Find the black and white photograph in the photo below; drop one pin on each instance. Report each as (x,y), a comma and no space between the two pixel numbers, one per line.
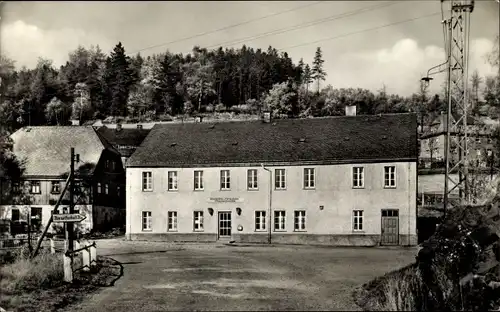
(250,155)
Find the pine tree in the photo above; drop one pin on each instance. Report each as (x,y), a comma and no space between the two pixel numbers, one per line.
(318,73)
(119,79)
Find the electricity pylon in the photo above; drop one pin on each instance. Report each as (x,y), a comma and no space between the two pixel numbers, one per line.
(457,33)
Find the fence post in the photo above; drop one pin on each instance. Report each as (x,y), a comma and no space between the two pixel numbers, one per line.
(86,256)
(93,256)
(52,246)
(68,267)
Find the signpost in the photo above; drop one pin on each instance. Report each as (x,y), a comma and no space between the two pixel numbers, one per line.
(68,217)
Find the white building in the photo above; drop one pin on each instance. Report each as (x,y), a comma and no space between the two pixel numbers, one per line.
(347,180)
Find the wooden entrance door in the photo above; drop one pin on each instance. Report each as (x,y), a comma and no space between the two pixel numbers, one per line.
(390,227)
(224,225)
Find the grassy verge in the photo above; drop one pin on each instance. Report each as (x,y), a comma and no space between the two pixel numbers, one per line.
(37,285)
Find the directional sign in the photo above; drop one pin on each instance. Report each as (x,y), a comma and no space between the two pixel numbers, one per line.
(68,217)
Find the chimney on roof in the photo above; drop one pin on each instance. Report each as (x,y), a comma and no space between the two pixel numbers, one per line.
(118,127)
(139,127)
(350,110)
(266,116)
(75,122)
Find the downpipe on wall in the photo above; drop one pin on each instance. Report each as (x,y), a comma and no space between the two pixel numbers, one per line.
(270,201)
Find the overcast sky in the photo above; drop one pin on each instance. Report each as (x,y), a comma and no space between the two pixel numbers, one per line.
(396,55)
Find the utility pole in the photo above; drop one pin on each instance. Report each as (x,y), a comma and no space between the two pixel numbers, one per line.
(69,226)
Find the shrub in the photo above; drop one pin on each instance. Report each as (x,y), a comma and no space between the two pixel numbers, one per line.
(220,108)
(210,108)
(165,117)
(44,271)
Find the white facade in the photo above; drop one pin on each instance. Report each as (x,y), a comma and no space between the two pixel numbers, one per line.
(334,208)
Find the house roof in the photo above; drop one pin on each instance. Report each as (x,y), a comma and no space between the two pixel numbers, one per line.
(45,150)
(332,139)
(124,140)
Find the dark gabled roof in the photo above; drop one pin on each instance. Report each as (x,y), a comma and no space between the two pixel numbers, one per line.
(45,150)
(332,139)
(124,140)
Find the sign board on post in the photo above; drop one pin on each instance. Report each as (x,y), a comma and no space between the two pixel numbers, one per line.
(68,217)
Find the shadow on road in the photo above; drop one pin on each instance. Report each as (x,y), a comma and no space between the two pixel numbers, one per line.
(142,252)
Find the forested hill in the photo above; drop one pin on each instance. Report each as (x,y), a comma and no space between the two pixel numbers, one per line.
(93,85)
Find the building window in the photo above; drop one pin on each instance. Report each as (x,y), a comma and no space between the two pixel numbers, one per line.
(99,189)
(309,178)
(198,220)
(172,220)
(489,153)
(260,220)
(299,220)
(118,191)
(35,187)
(107,163)
(146,220)
(357,221)
(280,179)
(106,188)
(358,177)
(56,187)
(478,140)
(390,176)
(252,179)
(279,220)
(198,180)
(172,180)
(15,215)
(113,165)
(147,181)
(16,186)
(478,152)
(490,141)
(225,180)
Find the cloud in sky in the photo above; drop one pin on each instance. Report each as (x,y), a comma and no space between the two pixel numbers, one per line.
(399,67)
(25,43)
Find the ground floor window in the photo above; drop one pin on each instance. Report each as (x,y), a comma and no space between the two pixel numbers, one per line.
(15,215)
(172,220)
(198,220)
(146,220)
(300,220)
(357,221)
(279,220)
(260,220)
(36,218)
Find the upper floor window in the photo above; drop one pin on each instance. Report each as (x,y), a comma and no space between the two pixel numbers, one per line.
(147,181)
(389,176)
(172,180)
(16,186)
(99,188)
(252,179)
(280,179)
(309,178)
(113,165)
(225,180)
(260,220)
(106,188)
(118,189)
(56,187)
(107,163)
(35,187)
(358,177)
(198,180)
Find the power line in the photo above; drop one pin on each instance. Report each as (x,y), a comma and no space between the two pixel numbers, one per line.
(358,32)
(228,27)
(303,25)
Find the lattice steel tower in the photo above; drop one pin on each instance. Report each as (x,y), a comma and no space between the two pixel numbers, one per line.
(456,30)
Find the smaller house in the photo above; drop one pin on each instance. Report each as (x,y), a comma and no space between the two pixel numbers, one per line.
(124,140)
(45,154)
